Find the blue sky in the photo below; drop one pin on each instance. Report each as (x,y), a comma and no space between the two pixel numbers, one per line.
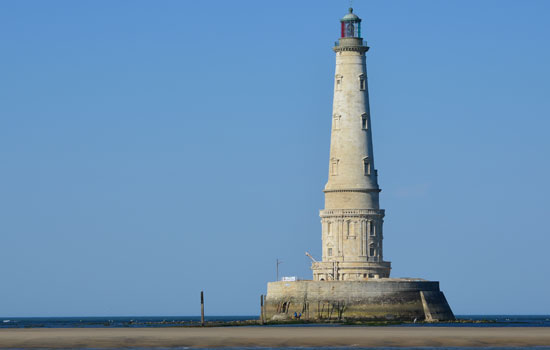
(151,149)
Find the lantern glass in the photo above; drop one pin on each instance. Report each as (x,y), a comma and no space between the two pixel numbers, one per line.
(351,29)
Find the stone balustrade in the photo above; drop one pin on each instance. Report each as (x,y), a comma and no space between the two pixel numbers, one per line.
(351,212)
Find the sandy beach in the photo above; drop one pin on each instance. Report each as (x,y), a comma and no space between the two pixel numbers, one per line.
(274,337)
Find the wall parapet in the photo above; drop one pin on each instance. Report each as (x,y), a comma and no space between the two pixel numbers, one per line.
(388,298)
(351,212)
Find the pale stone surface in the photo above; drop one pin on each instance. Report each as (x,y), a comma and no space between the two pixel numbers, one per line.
(352,220)
(378,299)
(352,280)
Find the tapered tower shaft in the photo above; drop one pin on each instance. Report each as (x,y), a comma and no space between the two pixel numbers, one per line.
(352,219)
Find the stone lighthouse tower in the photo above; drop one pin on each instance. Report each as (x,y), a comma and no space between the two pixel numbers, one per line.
(352,220)
(352,280)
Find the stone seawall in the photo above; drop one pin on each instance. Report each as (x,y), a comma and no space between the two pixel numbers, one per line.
(383,299)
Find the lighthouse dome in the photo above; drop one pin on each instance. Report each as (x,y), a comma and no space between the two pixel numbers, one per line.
(351,17)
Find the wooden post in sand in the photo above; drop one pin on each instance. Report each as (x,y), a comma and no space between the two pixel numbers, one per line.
(202,308)
(262,309)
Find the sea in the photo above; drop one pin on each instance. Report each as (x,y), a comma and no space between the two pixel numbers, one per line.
(171,321)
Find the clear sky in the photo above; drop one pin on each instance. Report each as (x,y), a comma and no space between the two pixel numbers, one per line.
(151,149)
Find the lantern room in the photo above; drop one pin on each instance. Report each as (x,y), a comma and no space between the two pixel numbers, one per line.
(351,25)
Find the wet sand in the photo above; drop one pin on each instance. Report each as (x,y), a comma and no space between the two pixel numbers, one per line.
(274,337)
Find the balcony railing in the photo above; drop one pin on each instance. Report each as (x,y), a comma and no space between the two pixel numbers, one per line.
(352,212)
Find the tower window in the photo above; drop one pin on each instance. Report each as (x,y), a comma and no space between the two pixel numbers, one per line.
(362,82)
(334,167)
(329,251)
(366,165)
(372,251)
(338,82)
(364,122)
(372,229)
(336,122)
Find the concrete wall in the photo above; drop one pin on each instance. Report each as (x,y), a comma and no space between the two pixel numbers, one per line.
(397,299)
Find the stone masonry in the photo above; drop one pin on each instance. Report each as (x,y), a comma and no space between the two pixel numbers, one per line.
(352,221)
(352,281)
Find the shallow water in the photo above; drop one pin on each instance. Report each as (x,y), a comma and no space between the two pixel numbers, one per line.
(106,322)
(163,321)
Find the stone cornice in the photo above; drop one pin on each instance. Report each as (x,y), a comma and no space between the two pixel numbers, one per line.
(355,265)
(360,49)
(364,190)
(351,212)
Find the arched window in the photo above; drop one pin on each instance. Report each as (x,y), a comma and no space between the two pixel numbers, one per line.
(366,165)
(372,250)
(362,82)
(364,121)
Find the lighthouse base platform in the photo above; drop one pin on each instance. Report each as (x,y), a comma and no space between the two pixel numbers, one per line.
(400,299)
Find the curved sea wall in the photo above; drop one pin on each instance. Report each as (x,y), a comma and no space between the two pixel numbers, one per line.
(376,299)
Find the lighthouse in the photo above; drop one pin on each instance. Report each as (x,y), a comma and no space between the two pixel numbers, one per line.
(352,221)
(352,280)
